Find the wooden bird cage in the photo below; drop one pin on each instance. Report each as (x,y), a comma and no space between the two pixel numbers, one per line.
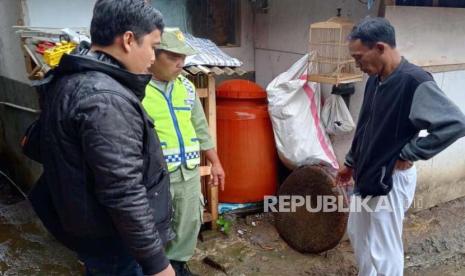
(329,57)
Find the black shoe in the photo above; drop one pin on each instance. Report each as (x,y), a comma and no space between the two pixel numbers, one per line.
(181,268)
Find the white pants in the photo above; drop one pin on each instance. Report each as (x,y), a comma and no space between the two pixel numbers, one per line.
(377,236)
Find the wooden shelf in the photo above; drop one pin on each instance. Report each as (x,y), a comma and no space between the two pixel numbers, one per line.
(330,44)
(206,89)
(338,79)
(205,170)
(202,92)
(332,60)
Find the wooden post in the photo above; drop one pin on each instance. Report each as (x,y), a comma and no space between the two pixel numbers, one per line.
(382,6)
(212,192)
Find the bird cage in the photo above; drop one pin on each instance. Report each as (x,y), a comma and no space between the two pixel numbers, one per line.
(329,56)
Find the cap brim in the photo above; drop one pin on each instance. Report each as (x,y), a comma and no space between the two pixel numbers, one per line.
(185,50)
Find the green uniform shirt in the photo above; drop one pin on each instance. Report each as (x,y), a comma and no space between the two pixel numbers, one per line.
(199,121)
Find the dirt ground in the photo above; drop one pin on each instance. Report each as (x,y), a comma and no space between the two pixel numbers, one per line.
(434,245)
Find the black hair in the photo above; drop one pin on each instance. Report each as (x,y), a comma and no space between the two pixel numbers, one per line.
(372,30)
(113,18)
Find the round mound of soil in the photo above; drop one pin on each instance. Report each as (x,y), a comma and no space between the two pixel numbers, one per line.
(310,229)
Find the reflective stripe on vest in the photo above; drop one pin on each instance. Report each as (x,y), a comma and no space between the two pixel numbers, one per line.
(173,125)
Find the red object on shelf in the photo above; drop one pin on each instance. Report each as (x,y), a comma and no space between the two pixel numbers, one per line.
(246,144)
(43,46)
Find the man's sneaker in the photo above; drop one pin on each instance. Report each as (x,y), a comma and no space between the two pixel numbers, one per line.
(181,268)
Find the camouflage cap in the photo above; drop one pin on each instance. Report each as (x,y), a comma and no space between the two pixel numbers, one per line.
(173,40)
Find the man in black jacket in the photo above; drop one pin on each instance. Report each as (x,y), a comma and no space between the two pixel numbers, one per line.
(400,100)
(105,192)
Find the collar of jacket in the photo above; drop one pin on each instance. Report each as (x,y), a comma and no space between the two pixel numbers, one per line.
(82,59)
(403,61)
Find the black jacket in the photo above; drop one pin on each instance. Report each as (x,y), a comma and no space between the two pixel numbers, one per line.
(393,113)
(103,165)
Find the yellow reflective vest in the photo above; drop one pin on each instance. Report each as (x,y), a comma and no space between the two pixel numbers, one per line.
(172,118)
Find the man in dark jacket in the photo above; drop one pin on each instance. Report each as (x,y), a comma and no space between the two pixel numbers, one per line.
(400,100)
(104,172)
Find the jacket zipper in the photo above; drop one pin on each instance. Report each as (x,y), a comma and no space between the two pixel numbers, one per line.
(176,126)
(370,115)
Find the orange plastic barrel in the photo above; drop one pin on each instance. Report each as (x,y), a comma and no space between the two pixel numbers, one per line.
(245,142)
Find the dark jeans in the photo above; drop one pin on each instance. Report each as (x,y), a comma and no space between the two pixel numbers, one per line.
(113,265)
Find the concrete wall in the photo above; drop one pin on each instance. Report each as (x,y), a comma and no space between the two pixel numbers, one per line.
(56,13)
(442,178)
(417,25)
(175,14)
(79,14)
(245,52)
(14,88)
(281,35)
(11,57)
(281,38)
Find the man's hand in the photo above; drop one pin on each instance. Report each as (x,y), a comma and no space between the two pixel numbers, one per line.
(217,173)
(344,175)
(403,165)
(168,271)
(217,176)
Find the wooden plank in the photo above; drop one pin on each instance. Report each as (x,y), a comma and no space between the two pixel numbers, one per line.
(212,107)
(211,113)
(340,78)
(337,61)
(444,68)
(202,92)
(32,55)
(205,170)
(333,43)
(34,73)
(213,204)
(27,57)
(382,6)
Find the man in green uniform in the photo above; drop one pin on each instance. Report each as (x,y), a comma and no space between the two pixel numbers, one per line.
(181,125)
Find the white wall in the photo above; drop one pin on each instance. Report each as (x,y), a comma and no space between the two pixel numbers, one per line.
(415,26)
(443,177)
(12,64)
(59,13)
(281,35)
(281,38)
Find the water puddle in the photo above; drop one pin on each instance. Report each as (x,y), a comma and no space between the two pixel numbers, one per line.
(26,248)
